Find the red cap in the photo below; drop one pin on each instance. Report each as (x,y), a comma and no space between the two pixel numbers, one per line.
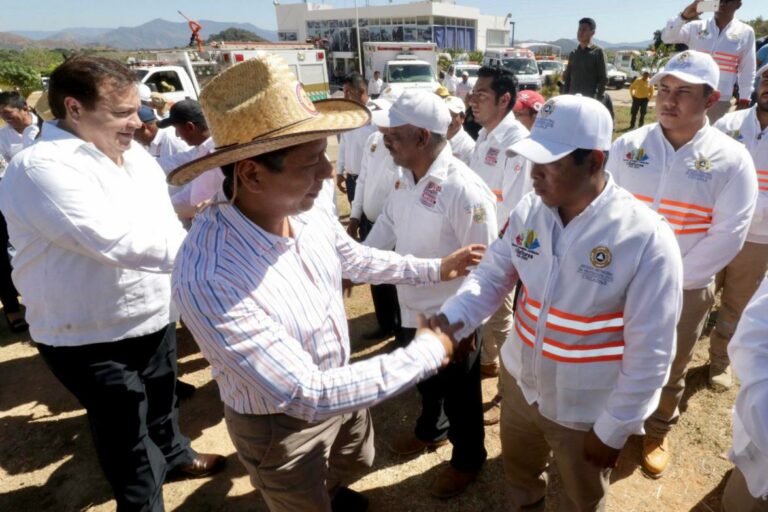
(529,99)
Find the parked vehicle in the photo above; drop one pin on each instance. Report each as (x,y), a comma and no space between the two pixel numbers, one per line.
(403,65)
(616,78)
(518,60)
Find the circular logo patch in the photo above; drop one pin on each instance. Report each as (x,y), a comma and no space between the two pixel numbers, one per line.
(547,109)
(600,257)
(304,101)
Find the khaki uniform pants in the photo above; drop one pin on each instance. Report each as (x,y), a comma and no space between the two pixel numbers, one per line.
(527,438)
(739,282)
(495,332)
(736,496)
(696,306)
(298,465)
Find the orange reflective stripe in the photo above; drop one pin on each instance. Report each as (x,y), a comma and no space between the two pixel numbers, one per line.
(688,222)
(763,172)
(561,352)
(598,318)
(686,205)
(644,198)
(763,188)
(690,231)
(726,56)
(497,193)
(687,215)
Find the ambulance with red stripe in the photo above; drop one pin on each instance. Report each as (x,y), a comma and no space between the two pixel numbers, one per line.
(706,190)
(744,127)
(733,50)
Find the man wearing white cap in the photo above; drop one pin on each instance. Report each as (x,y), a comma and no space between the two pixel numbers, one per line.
(592,341)
(376,181)
(492,102)
(747,487)
(741,277)
(463,88)
(704,183)
(462,144)
(438,206)
(730,42)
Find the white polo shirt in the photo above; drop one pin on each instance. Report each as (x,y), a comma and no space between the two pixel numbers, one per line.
(378,175)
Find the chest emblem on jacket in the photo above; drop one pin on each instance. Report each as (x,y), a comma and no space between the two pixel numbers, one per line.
(527,244)
(637,158)
(492,156)
(600,257)
(700,169)
(430,193)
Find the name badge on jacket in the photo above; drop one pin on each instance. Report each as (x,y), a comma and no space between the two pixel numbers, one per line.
(492,156)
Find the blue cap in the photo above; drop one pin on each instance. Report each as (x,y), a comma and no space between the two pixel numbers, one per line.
(147,115)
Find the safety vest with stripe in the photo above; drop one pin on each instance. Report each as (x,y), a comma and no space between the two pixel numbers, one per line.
(568,341)
(705,189)
(744,127)
(733,49)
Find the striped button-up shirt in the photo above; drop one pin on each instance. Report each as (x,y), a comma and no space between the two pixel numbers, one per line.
(268,314)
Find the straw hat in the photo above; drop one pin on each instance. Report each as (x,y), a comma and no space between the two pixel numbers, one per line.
(258,106)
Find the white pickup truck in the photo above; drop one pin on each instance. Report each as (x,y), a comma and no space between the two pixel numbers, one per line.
(402,65)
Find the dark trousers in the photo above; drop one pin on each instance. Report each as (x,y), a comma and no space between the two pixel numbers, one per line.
(452,406)
(9,296)
(642,106)
(350,181)
(128,390)
(384,296)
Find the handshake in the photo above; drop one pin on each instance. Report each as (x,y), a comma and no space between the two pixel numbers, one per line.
(438,326)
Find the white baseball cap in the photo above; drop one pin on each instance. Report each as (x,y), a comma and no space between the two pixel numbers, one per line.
(692,67)
(419,108)
(145,93)
(455,105)
(566,123)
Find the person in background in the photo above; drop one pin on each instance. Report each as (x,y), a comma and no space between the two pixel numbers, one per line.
(585,73)
(352,143)
(158,142)
(704,183)
(88,201)
(375,86)
(451,81)
(739,280)
(527,107)
(729,41)
(747,487)
(462,145)
(641,91)
(463,88)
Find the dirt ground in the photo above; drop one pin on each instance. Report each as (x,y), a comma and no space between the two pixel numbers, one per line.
(47,461)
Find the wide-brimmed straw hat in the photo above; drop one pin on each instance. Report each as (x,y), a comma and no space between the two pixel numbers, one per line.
(258,106)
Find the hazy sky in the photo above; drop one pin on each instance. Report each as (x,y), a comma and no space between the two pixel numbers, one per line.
(617,20)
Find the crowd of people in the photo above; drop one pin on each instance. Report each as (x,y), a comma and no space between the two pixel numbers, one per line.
(578,270)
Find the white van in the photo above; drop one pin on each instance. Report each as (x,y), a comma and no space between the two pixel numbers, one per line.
(518,60)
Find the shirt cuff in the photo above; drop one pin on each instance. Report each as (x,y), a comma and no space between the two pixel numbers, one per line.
(433,270)
(453,314)
(612,431)
(430,349)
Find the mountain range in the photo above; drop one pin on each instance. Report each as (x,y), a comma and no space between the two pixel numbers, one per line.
(157,33)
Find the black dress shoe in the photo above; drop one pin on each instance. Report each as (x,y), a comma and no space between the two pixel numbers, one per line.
(347,500)
(184,390)
(203,465)
(378,334)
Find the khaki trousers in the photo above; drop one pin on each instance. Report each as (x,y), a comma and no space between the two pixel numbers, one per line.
(718,110)
(739,282)
(495,332)
(527,438)
(696,306)
(736,496)
(298,465)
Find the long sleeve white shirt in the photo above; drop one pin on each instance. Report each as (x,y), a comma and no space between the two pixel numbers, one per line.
(748,351)
(507,175)
(377,179)
(166,143)
(733,49)
(462,146)
(593,341)
(200,189)
(706,190)
(449,208)
(267,313)
(95,243)
(11,141)
(743,126)
(352,145)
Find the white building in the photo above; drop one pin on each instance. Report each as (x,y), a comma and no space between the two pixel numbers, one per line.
(439,21)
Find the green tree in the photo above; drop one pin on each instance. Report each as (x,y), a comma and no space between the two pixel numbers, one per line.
(760,26)
(235,34)
(16,75)
(40,59)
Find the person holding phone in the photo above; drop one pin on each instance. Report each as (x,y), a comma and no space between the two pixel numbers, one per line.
(729,41)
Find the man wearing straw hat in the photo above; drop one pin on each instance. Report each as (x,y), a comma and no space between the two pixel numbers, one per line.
(258,282)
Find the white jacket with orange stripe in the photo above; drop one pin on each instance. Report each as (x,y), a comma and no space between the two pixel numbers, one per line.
(733,49)
(706,190)
(744,127)
(594,332)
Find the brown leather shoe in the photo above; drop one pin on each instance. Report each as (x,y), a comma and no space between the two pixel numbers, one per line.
(451,482)
(492,411)
(489,370)
(656,456)
(203,465)
(408,444)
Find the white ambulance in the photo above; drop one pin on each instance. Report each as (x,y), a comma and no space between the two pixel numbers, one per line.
(520,61)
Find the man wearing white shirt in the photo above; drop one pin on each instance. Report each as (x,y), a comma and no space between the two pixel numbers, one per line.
(594,331)
(730,42)
(747,487)
(462,145)
(508,177)
(158,142)
(89,202)
(438,206)
(451,81)
(463,88)
(741,277)
(704,183)
(352,143)
(375,86)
